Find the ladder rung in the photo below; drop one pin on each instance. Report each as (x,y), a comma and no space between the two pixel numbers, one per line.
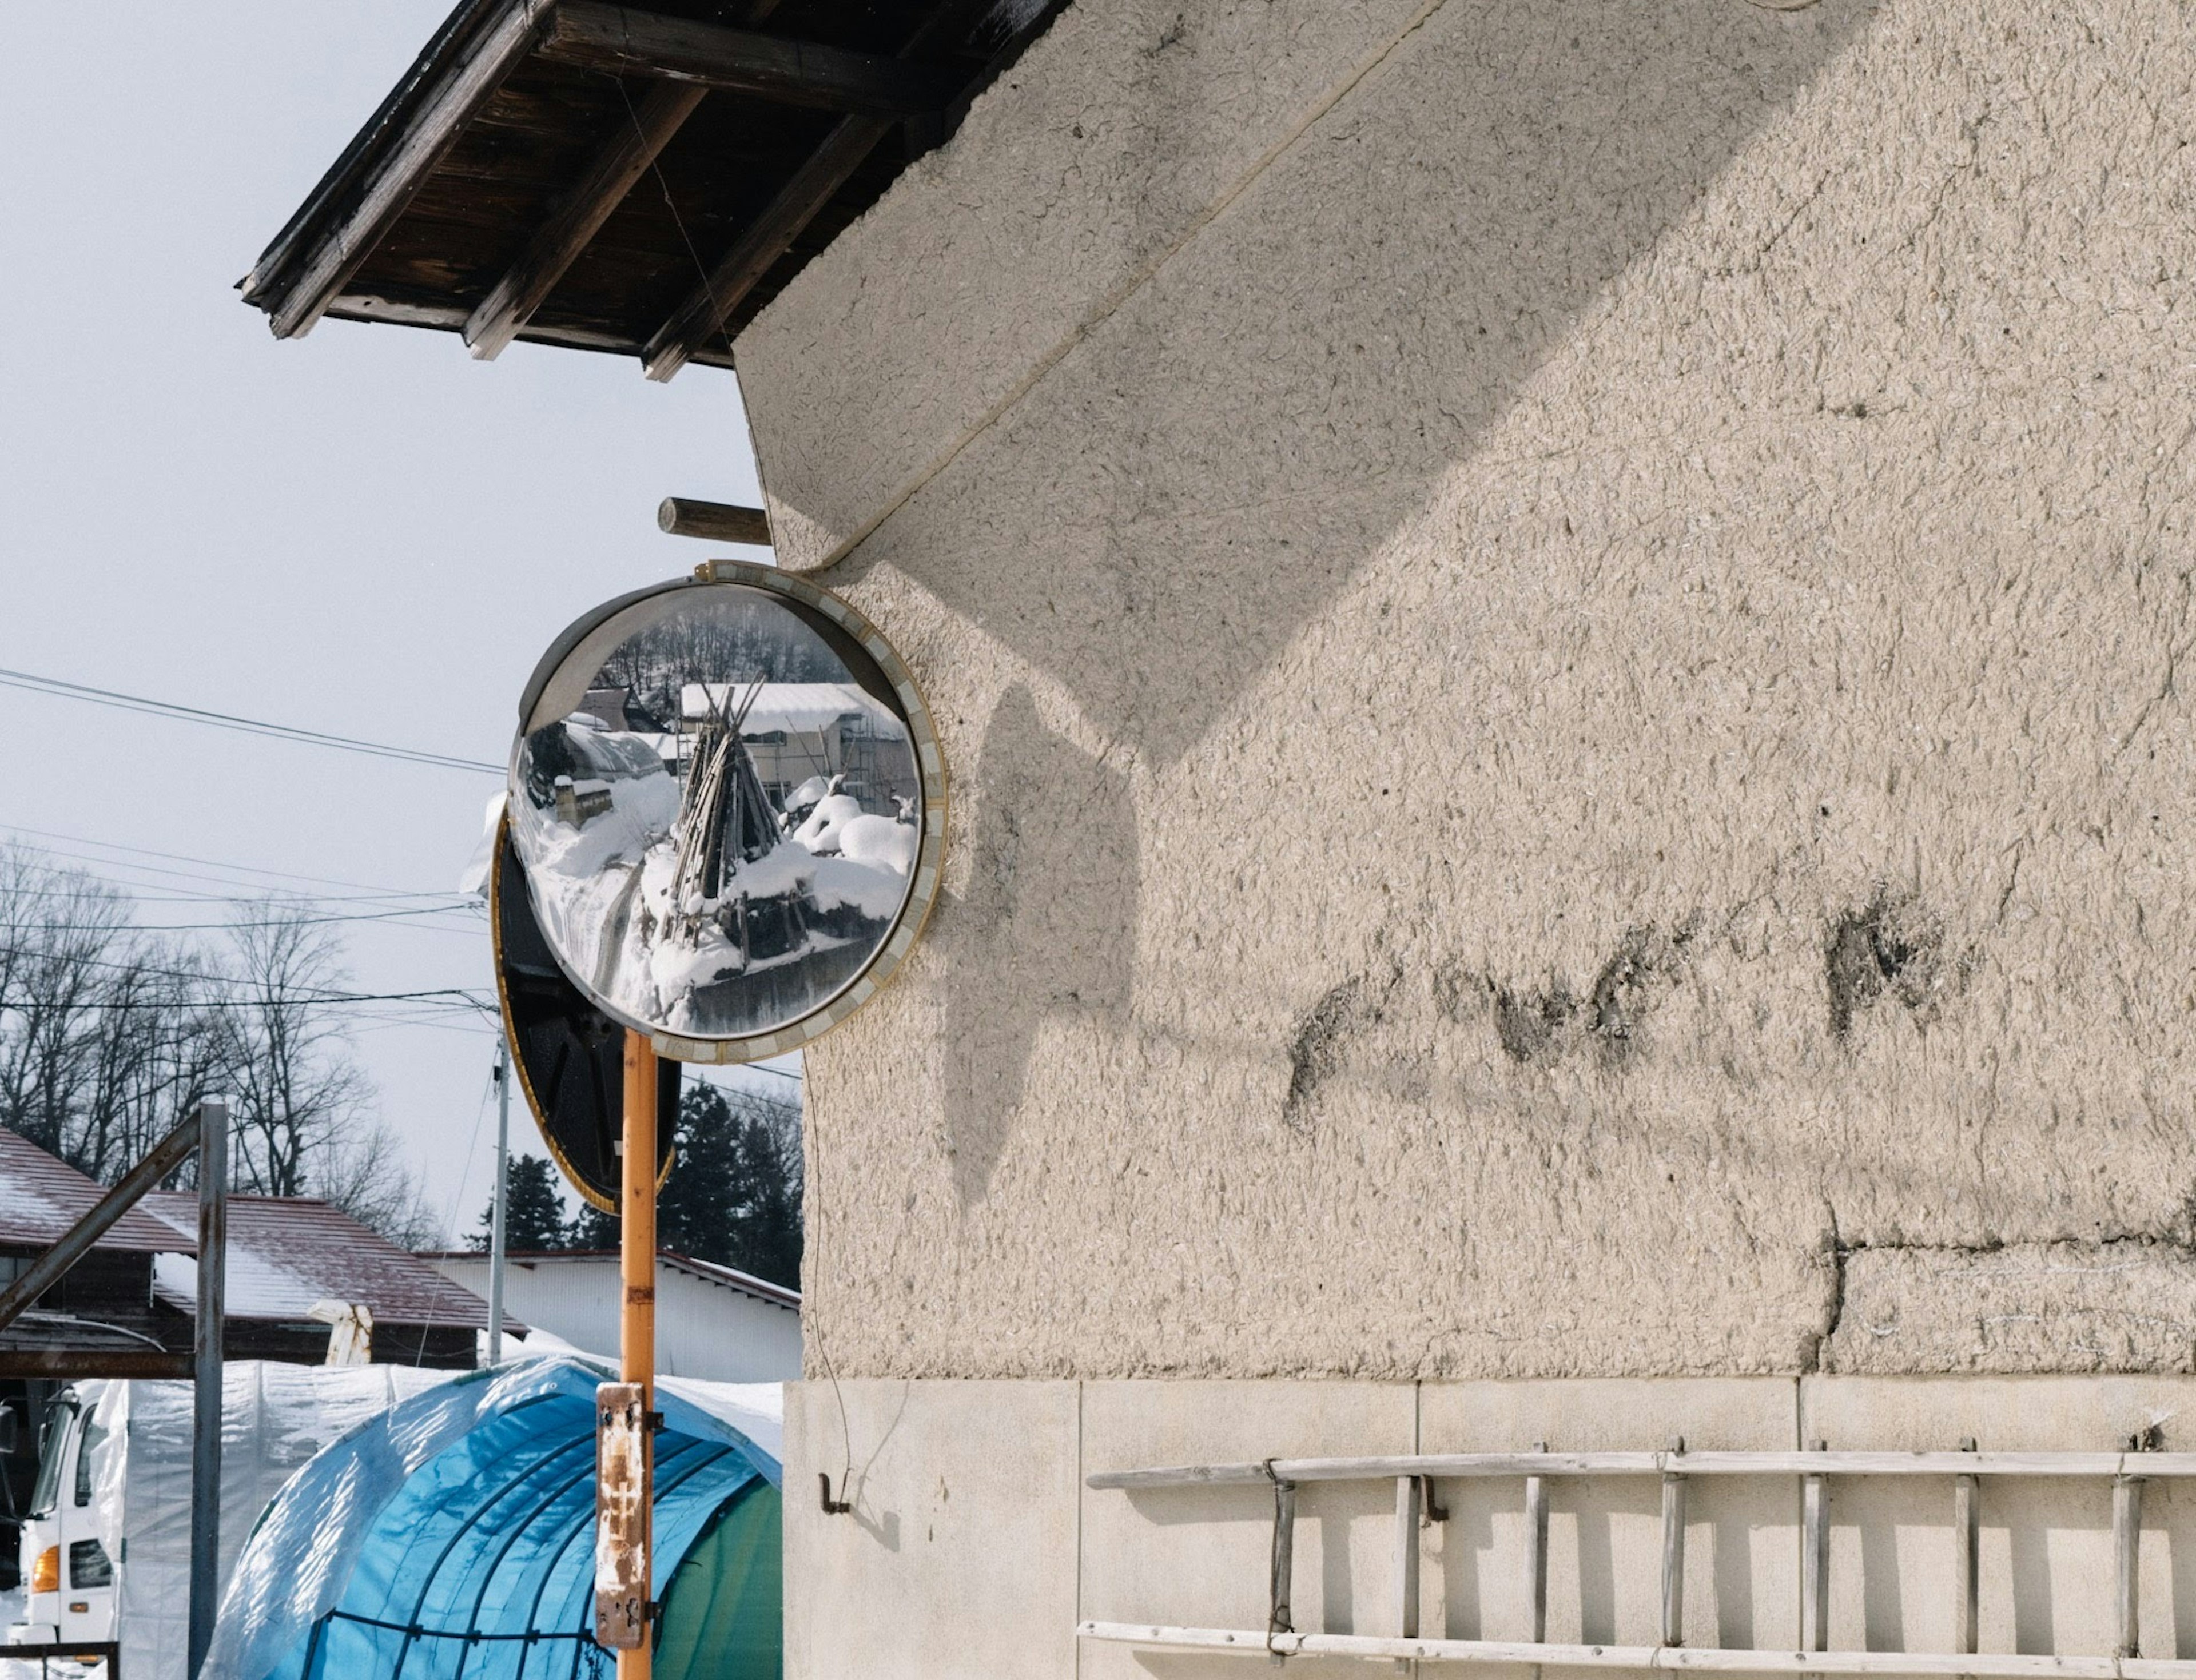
(2154,1466)
(1994,1666)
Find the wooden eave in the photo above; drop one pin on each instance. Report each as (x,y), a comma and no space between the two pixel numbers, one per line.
(637,181)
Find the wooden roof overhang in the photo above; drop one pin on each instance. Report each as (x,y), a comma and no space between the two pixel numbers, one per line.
(637,181)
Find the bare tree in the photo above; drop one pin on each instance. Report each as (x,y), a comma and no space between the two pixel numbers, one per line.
(295,1089)
(109,1033)
(364,1174)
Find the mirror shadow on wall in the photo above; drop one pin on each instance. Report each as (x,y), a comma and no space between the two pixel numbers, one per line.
(1201,476)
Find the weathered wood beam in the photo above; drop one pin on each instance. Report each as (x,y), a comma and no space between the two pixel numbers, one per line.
(77,1241)
(772,234)
(766,238)
(69,1364)
(391,187)
(557,243)
(715,522)
(627,42)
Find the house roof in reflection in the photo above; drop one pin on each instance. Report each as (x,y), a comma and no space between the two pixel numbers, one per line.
(792,708)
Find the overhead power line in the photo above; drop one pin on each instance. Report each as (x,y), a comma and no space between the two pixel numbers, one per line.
(193,714)
(209,862)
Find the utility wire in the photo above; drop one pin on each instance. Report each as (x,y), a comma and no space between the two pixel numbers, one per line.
(209,862)
(193,714)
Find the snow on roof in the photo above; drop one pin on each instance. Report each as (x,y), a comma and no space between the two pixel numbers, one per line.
(708,1270)
(792,708)
(41,1196)
(286,1252)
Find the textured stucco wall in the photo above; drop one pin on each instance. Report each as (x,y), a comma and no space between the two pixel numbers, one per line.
(1556,630)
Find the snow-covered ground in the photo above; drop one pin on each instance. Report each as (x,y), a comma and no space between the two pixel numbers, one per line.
(603,891)
(14,1668)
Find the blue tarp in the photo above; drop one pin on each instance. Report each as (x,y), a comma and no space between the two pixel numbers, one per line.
(452,1538)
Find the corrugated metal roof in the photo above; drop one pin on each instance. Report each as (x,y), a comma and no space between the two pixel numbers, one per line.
(286,1252)
(41,1196)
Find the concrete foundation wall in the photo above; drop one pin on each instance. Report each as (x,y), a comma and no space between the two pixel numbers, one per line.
(1559,631)
(973,1549)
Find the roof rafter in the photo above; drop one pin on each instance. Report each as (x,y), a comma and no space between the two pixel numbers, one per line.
(627,42)
(527,284)
(771,235)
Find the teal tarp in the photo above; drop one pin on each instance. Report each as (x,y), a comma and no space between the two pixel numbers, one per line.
(452,1538)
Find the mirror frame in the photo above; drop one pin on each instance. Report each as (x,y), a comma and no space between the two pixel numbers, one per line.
(926,876)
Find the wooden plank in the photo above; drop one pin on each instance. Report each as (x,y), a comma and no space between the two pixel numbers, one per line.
(343,248)
(624,41)
(707,309)
(69,1364)
(765,239)
(557,244)
(717,522)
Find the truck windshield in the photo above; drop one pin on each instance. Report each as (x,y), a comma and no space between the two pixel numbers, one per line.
(53,1446)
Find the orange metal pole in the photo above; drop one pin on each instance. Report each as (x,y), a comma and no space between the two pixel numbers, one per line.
(637,1322)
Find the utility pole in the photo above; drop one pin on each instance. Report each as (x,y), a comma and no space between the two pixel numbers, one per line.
(206,1401)
(502,1185)
(636,1325)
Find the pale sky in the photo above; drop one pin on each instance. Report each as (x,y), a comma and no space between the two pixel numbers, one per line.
(364,532)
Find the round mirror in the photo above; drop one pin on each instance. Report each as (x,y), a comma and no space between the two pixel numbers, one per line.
(729,804)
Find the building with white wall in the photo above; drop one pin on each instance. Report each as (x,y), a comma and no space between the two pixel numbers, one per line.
(711,1321)
(1559,631)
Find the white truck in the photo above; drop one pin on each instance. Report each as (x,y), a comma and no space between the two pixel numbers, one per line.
(105,1542)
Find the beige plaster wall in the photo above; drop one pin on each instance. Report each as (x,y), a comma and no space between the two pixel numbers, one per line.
(1556,628)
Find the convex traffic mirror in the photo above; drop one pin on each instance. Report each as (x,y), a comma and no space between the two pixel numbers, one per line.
(729,806)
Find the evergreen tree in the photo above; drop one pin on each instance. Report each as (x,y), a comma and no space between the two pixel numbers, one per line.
(534,1212)
(734,1194)
(592,1228)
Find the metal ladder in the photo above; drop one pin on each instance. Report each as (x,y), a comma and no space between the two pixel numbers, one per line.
(1415,1476)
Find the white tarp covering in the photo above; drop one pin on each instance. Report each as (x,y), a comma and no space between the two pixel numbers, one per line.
(275,1417)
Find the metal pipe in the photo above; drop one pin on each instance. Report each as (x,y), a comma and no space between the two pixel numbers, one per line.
(1279,1612)
(1967,1542)
(205,1399)
(1650,1658)
(495,1238)
(1407,1556)
(637,1321)
(1536,1542)
(1674,1554)
(170,1153)
(2151,1466)
(2127,1561)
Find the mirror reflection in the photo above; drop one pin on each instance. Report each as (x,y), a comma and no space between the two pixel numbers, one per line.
(718,803)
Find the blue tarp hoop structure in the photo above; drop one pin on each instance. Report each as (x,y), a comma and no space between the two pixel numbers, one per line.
(452,1538)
